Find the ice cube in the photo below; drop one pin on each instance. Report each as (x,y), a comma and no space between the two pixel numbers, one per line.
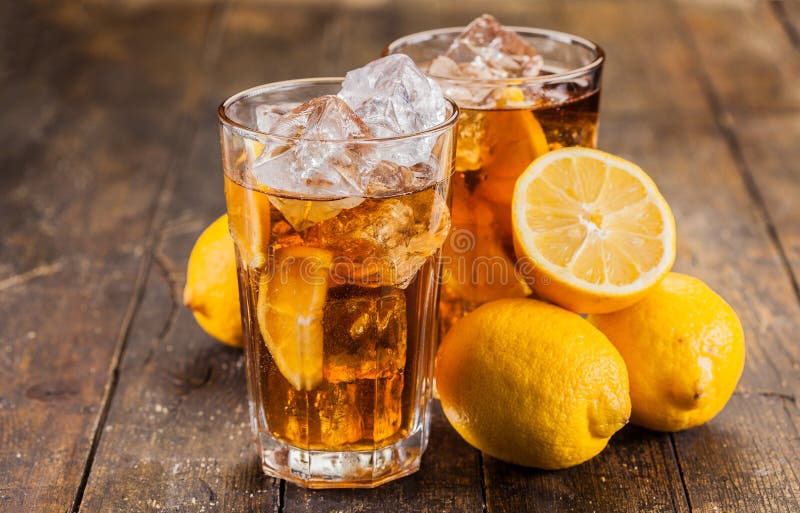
(287,413)
(340,420)
(301,214)
(322,118)
(470,92)
(309,164)
(388,401)
(444,66)
(365,334)
(388,178)
(267,115)
(471,133)
(384,241)
(393,96)
(352,411)
(487,49)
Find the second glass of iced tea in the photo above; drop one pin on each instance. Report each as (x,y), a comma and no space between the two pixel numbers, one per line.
(505,124)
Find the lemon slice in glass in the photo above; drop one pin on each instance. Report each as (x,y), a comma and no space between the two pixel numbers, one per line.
(290,308)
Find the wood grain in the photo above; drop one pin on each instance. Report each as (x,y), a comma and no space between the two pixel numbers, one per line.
(745,460)
(745,54)
(763,141)
(179,429)
(769,147)
(647,72)
(788,12)
(86,143)
(111,162)
(636,472)
(764,181)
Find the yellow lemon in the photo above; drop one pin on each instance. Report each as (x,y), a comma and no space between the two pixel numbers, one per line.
(531,383)
(684,347)
(290,308)
(211,291)
(592,230)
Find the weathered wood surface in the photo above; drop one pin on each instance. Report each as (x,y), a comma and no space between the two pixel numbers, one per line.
(788,12)
(117,170)
(89,130)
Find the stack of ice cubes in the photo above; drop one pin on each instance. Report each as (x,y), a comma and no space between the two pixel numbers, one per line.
(485,51)
(314,148)
(488,50)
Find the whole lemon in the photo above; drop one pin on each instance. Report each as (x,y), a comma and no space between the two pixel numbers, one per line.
(211,291)
(684,347)
(531,383)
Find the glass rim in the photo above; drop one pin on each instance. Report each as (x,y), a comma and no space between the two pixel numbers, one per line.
(244,130)
(557,35)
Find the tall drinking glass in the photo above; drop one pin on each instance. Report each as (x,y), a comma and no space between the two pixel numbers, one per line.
(504,125)
(338,292)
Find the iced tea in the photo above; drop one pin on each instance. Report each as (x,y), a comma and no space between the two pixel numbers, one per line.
(504,124)
(335,329)
(338,292)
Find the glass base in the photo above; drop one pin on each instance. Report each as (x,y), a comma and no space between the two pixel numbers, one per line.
(342,469)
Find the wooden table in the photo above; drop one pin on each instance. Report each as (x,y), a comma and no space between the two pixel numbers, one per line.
(113,399)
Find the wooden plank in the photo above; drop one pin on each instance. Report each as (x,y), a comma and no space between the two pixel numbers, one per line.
(179,429)
(746,459)
(266,43)
(448,481)
(761,147)
(745,54)
(636,472)
(765,140)
(788,13)
(178,434)
(646,72)
(18,37)
(82,165)
(769,146)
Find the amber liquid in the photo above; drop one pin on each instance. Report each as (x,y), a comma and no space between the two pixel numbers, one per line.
(357,327)
(494,147)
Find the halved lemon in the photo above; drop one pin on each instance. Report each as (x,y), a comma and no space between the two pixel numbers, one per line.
(592,231)
(290,308)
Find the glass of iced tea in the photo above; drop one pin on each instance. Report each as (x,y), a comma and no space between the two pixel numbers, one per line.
(522,92)
(337,234)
